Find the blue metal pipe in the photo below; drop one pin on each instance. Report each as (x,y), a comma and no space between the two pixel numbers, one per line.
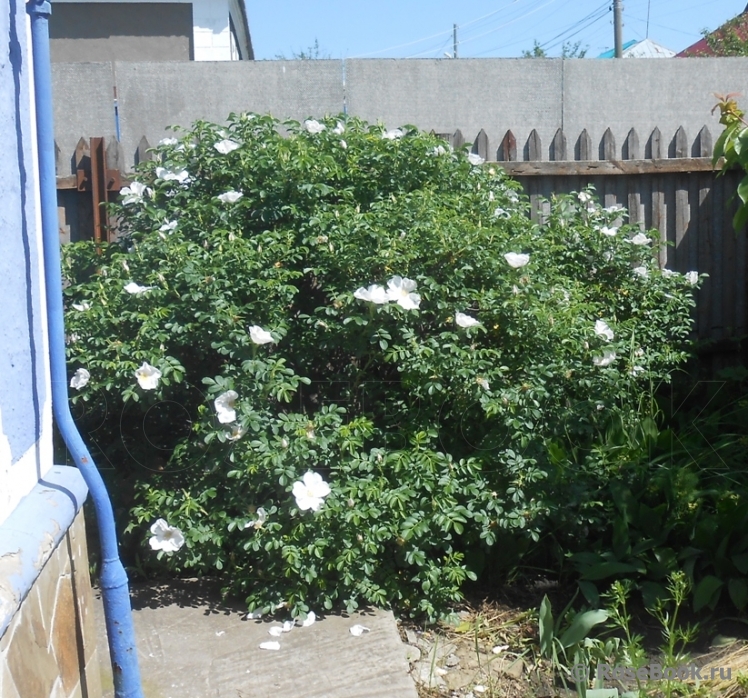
(114,586)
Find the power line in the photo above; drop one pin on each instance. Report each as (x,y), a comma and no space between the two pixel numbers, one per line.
(439,34)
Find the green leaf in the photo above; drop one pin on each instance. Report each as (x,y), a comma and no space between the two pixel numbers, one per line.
(740,218)
(545,628)
(608,569)
(706,592)
(738,589)
(740,560)
(581,626)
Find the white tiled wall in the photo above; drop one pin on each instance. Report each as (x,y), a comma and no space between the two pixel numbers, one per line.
(211,31)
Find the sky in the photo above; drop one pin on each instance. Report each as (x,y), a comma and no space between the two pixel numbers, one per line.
(485,29)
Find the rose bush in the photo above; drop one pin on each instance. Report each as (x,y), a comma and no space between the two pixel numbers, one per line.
(343,361)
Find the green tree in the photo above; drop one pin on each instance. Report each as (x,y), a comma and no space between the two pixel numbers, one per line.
(728,40)
(311,53)
(568,50)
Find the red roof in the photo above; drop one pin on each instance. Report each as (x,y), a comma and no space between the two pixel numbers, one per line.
(701,48)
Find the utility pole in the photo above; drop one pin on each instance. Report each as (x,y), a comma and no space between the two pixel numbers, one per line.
(454,41)
(617,25)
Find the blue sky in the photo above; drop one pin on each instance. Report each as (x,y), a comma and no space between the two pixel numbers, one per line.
(496,28)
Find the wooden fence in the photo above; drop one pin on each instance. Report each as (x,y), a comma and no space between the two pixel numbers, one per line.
(669,185)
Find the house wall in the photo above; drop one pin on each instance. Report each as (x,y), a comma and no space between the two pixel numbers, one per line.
(25,407)
(210,37)
(444,95)
(106,31)
(46,642)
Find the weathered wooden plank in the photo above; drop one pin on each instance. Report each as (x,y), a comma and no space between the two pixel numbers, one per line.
(634,187)
(681,222)
(534,146)
(458,140)
(508,149)
(142,154)
(704,144)
(680,147)
(728,270)
(741,283)
(703,300)
(480,144)
(654,146)
(115,156)
(631,146)
(591,168)
(558,146)
(608,146)
(659,216)
(583,150)
(719,220)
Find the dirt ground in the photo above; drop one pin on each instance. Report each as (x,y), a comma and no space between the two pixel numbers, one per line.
(490,650)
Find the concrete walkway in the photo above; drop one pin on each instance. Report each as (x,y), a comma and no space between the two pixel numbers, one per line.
(191,645)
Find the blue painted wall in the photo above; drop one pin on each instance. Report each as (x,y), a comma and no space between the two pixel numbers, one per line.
(23,389)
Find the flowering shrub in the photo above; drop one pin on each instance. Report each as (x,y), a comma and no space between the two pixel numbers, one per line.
(342,361)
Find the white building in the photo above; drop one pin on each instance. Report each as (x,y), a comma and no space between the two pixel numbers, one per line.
(142,30)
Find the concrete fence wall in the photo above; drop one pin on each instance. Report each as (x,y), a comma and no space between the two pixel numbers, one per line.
(467,94)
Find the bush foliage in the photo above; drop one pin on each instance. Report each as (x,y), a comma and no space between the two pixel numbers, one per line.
(437,437)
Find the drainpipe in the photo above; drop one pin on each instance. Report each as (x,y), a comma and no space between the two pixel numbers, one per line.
(114,586)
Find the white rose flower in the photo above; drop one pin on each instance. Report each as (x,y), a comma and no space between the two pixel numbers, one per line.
(134,193)
(394,134)
(615,208)
(81,307)
(669,272)
(500,212)
(464,320)
(230,197)
(610,231)
(313,126)
(401,291)
(374,294)
(438,150)
(636,370)
(170,176)
(343,144)
(584,197)
(339,130)
(236,433)
(692,277)
(137,289)
(224,405)
(168,141)
(310,491)
(640,239)
(165,537)
(475,159)
(603,330)
(80,379)
(226,146)
(168,227)
(606,359)
(262,516)
(260,336)
(516,260)
(148,376)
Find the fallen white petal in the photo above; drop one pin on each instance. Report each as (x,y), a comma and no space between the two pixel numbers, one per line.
(287,626)
(311,617)
(270,645)
(276,631)
(222,632)
(358,630)
(499,649)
